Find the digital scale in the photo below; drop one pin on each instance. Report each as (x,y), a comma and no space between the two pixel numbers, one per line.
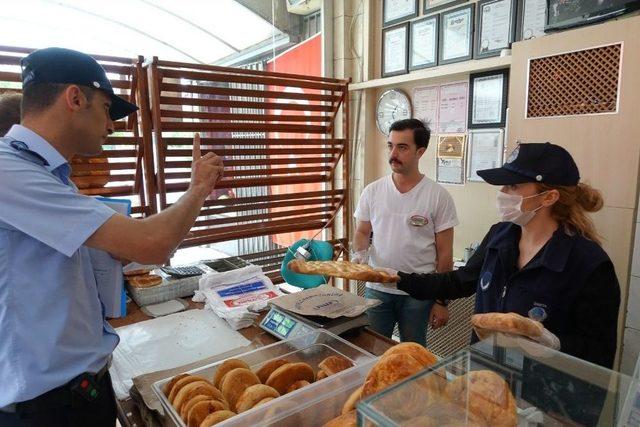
(284,324)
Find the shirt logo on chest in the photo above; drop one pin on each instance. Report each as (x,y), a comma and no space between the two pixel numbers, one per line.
(485,280)
(538,313)
(418,220)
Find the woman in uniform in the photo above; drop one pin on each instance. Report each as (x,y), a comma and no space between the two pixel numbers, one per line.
(544,261)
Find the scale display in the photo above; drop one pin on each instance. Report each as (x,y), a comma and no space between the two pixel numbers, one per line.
(282,325)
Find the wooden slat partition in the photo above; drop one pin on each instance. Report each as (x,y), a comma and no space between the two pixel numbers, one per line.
(274,131)
(118,171)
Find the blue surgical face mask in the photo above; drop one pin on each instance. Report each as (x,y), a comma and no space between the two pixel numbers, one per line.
(510,208)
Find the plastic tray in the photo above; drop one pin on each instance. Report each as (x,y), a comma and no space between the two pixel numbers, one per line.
(314,404)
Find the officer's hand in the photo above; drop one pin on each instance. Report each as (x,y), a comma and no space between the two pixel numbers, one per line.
(206,170)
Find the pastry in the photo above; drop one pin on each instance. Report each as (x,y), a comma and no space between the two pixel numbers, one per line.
(352,401)
(144,281)
(418,352)
(511,323)
(389,370)
(297,385)
(181,383)
(166,389)
(349,419)
(489,397)
(254,394)
(334,364)
(193,389)
(216,417)
(201,410)
(235,382)
(225,367)
(344,269)
(282,378)
(266,369)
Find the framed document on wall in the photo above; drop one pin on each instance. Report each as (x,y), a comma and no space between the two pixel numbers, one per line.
(532,16)
(395,49)
(485,151)
(488,99)
(433,5)
(394,11)
(456,35)
(423,44)
(496,27)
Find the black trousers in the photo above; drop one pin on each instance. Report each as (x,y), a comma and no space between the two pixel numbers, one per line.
(62,407)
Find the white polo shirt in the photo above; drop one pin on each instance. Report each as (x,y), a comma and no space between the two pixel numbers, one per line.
(397,243)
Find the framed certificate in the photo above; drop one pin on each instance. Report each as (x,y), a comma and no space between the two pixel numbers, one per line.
(456,35)
(496,27)
(426,101)
(450,159)
(432,5)
(452,108)
(423,44)
(488,99)
(395,49)
(532,16)
(485,151)
(394,11)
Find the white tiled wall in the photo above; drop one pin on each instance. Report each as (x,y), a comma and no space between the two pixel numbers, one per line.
(631,341)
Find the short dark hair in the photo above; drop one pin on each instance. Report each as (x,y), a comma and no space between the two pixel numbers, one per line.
(9,111)
(40,96)
(421,133)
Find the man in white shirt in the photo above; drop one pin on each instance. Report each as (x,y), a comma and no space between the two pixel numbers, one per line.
(412,219)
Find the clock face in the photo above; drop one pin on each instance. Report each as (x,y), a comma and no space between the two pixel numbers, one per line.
(393,105)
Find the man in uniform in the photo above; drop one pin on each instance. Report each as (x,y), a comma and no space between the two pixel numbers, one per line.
(55,343)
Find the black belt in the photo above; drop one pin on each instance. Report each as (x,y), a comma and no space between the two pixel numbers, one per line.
(58,396)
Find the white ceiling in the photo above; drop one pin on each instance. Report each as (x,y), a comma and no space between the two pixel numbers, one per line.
(181,30)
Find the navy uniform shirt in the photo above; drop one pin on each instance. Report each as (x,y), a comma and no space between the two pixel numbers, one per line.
(570,284)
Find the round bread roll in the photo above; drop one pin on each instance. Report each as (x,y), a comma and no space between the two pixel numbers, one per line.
(166,389)
(184,412)
(254,394)
(389,370)
(226,366)
(282,378)
(352,401)
(181,383)
(334,364)
(263,401)
(216,417)
(297,385)
(268,368)
(350,419)
(415,350)
(200,410)
(489,397)
(321,375)
(193,389)
(235,382)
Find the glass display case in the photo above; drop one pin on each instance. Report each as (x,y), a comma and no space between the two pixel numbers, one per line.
(507,381)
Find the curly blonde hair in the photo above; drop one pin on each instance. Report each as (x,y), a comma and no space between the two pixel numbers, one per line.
(571,209)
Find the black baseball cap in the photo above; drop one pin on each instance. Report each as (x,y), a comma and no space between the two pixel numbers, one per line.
(66,66)
(545,163)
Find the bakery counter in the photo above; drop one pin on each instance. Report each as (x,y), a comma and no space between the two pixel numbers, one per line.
(134,411)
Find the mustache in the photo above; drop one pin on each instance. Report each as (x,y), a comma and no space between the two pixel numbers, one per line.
(395,161)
